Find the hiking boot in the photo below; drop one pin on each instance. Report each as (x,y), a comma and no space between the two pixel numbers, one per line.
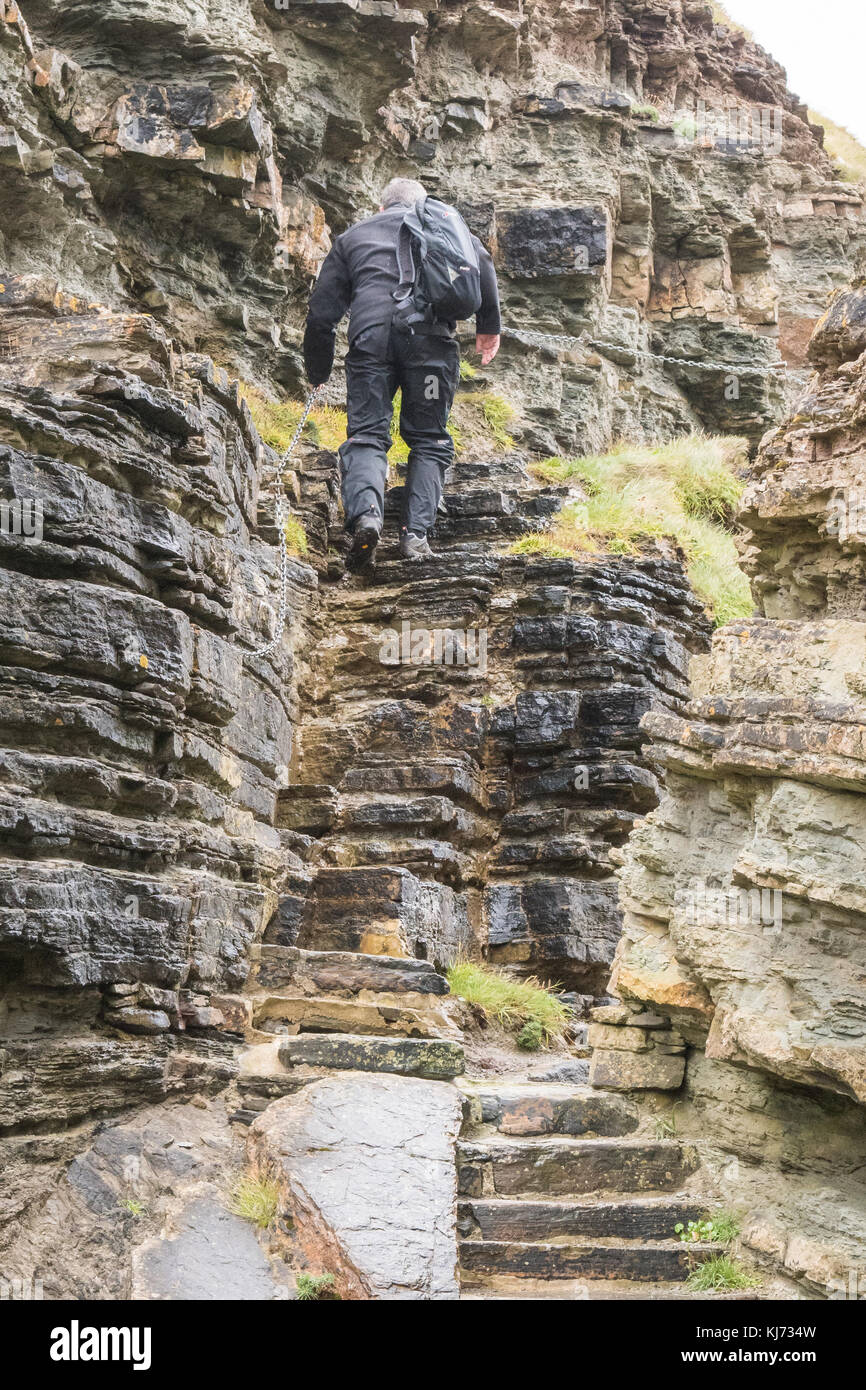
(414,547)
(364,542)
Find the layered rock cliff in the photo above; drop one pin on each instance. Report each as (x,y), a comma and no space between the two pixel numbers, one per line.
(185,825)
(744,892)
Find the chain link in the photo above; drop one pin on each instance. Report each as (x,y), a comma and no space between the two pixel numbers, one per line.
(535,338)
(281,516)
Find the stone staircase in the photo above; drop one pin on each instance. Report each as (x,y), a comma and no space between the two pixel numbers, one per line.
(432,809)
(311,1012)
(559,1198)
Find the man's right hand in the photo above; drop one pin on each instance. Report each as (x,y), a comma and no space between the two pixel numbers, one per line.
(487,346)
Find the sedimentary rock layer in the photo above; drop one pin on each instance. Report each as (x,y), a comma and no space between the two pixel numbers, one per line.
(142,755)
(743,893)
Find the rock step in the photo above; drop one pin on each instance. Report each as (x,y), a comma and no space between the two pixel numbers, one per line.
(549,1108)
(568,1166)
(435,1059)
(323,1014)
(343,971)
(643,1261)
(642,1218)
(527,1289)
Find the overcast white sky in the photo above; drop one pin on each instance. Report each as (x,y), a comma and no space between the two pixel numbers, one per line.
(822,43)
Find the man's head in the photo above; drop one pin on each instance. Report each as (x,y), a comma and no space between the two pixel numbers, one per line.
(403,193)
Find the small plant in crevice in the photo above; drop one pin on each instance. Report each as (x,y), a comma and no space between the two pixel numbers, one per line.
(255,1199)
(498,415)
(713,1228)
(134,1207)
(686,127)
(311,1287)
(645,112)
(719,1274)
(531,1036)
(296,537)
(666,1125)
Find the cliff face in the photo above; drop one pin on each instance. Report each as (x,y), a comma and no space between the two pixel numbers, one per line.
(173,807)
(192,160)
(744,892)
(141,755)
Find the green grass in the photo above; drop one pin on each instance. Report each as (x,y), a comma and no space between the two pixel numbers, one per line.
(327,427)
(541,544)
(255,1199)
(134,1207)
(310,1287)
(481,420)
(467,371)
(843,148)
(514,1004)
(686,489)
(645,112)
(719,1273)
(276,422)
(296,537)
(498,414)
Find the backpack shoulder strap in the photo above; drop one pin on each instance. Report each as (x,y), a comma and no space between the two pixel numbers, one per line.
(411,238)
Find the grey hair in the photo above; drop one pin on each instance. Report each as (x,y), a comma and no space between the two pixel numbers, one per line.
(403,192)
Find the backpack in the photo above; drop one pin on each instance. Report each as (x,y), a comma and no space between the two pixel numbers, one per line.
(441,277)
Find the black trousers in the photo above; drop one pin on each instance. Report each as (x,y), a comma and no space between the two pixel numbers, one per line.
(425,366)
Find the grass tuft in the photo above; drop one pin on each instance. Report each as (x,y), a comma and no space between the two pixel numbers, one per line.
(515,1004)
(255,1199)
(277,422)
(498,414)
(843,148)
(482,419)
(310,1287)
(686,490)
(645,112)
(719,1273)
(296,537)
(541,544)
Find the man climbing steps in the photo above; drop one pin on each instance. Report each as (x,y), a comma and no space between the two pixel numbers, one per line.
(398,274)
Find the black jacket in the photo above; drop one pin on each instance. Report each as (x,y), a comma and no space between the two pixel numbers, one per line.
(360,275)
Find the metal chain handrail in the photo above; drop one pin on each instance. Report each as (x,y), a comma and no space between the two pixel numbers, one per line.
(567,341)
